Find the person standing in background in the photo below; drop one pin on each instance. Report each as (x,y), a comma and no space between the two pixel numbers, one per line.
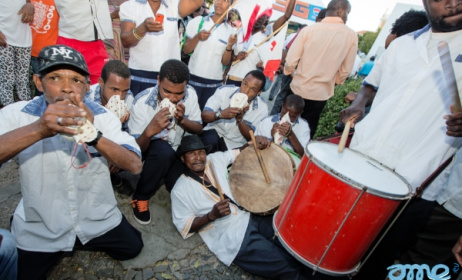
(114,46)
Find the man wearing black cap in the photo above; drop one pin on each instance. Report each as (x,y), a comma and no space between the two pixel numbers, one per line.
(63,144)
(230,232)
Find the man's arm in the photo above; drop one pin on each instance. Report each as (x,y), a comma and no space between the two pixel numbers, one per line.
(355,111)
(220,209)
(295,52)
(191,43)
(228,54)
(228,113)
(120,156)
(193,127)
(187,7)
(347,64)
(156,125)
(287,14)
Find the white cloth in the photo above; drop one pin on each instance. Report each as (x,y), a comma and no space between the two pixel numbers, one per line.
(191,199)
(249,63)
(17,34)
(300,128)
(155,47)
(405,129)
(227,128)
(60,202)
(145,107)
(450,180)
(205,61)
(78,19)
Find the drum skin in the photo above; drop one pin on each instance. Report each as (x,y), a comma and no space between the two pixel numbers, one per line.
(315,206)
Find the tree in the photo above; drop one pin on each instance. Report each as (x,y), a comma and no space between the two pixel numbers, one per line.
(366,41)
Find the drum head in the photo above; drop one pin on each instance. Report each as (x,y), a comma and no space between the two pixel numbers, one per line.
(359,170)
(248,184)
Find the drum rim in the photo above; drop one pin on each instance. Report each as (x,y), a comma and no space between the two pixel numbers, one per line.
(356,184)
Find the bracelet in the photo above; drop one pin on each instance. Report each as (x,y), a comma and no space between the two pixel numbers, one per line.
(138,37)
(228,50)
(208,218)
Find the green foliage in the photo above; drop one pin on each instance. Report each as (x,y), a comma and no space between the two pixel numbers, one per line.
(331,113)
(366,41)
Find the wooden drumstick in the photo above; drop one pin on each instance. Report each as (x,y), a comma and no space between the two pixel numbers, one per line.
(260,159)
(343,139)
(217,184)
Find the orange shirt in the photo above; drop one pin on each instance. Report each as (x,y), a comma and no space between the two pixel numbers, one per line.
(325,53)
(45,25)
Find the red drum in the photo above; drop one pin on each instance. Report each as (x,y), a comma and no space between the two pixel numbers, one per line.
(336,206)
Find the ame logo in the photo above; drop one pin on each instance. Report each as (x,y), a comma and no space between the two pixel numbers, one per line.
(438,272)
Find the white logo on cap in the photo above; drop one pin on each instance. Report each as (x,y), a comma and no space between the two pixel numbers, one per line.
(62,51)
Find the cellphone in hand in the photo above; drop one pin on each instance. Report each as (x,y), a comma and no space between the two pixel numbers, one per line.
(159,18)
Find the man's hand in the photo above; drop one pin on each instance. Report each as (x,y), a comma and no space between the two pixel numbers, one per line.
(230,113)
(239,117)
(457,250)
(27,12)
(232,40)
(262,142)
(112,168)
(454,124)
(220,209)
(77,101)
(203,35)
(353,114)
(242,55)
(125,117)
(3,40)
(152,25)
(285,129)
(179,113)
(69,115)
(160,121)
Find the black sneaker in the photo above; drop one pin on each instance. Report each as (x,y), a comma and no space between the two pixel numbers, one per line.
(121,185)
(141,211)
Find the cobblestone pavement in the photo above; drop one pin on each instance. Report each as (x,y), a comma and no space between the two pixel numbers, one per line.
(165,254)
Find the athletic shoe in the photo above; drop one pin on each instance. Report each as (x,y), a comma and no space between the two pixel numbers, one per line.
(141,211)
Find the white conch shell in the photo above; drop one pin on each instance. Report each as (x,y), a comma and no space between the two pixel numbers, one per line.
(87,132)
(117,106)
(239,100)
(278,139)
(166,103)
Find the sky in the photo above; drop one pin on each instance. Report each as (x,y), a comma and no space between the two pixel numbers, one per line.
(366,14)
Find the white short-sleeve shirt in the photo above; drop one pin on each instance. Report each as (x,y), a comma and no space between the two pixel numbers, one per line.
(227,128)
(145,107)
(205,61)
(17,34)
(155,47)
(190,199)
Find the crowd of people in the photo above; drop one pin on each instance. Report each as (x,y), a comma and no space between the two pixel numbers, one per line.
(112,94)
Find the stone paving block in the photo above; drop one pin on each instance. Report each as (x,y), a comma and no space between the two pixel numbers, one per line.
(179,254)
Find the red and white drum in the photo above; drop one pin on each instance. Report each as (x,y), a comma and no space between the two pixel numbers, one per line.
(336,206)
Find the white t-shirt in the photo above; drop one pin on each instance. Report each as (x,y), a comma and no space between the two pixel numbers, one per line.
(78,19)
(190,199)
(17,34)
(405,129)
(227,128)
(155,47)
(449,180)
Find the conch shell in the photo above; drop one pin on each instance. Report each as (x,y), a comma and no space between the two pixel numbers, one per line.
(239,100)
(166,103)
(117,106)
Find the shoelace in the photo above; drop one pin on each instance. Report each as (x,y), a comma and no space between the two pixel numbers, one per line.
(142,205)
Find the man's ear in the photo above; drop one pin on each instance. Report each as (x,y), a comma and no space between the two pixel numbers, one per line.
(38,82)
(182,158)
(100,82)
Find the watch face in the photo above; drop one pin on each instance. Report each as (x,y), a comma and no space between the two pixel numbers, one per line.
(218,114)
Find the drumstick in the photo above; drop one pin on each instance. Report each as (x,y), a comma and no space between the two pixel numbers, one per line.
(449,76)
(262,42)
(343,139)
(223,15)
(260,159)
(217,184)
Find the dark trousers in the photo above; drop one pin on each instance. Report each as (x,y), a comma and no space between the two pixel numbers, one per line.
(205,90)
(285,90)
(160,162)
(398,239)
(142,80)
(211,137)
(121,243)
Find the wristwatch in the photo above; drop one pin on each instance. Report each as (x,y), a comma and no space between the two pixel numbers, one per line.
(218,115)
(95,141)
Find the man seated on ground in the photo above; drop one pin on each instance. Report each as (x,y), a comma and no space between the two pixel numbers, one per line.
(231,233)
(228,128)
(67,195)
(158,130)
(114,80)
(291,131)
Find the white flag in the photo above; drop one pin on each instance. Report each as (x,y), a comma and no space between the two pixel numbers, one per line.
(271,53)
(250,11)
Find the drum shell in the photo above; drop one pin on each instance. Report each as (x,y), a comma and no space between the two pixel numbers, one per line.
(317,203)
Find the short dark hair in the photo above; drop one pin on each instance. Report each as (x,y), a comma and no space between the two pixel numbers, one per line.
(116,67)
(321,14)
(295,102)
(372,58)
(259,76)
(175,71)
(410,21)
(336,5)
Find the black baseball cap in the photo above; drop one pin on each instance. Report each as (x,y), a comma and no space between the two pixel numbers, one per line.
(56,55)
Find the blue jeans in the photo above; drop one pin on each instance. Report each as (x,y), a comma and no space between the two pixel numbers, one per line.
(8,256)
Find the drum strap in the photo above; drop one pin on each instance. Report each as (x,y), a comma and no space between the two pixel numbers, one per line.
(419,191)
(212,188)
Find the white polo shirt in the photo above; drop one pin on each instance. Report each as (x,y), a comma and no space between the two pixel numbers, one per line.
(145,107)
(78,19)
(190,199)
(227,128)
(205,62)
(250,62)
(155,47)
(405,129)
(300,128)
(17,34)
